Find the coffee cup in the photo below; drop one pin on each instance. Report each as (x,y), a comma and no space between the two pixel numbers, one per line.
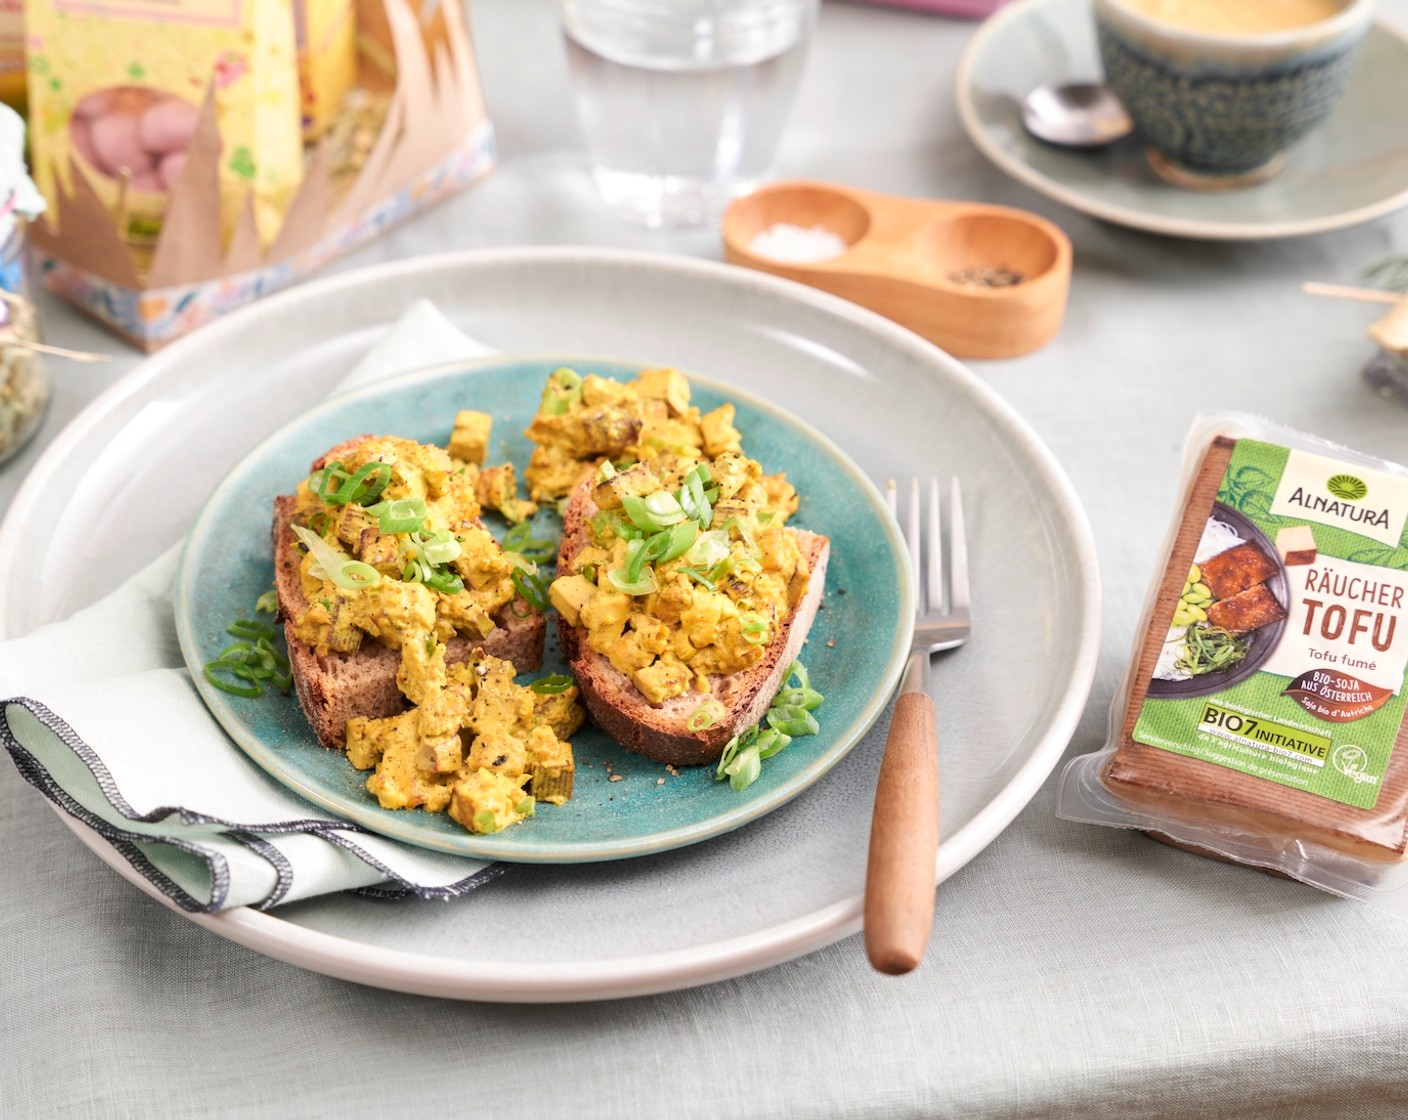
(1222,89)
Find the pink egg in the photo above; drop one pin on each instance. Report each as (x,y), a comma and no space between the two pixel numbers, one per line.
(168,125)
(172,164)
(116,146)
(95,104)
(149,181)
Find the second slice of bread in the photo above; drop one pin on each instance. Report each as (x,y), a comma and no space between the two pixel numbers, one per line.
(660,732)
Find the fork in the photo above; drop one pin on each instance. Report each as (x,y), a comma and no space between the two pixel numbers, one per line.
(904,830)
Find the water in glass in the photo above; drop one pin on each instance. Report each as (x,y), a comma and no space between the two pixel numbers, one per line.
(682,102)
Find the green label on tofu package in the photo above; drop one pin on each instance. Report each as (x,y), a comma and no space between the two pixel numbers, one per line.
(1286,649)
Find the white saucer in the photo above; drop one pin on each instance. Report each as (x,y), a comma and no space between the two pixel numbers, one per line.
(1352,169)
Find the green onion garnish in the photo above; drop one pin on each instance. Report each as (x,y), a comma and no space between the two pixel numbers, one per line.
(643,585)
(706,715)
(700,577)
(564,389)
(552,685)
(268,603)
(787,719)
(335,487)
(792,721)
(447,583)
(754,626)
(400,515)
(252,660)
(533,588)
(253,631)
(520,539)
(334,564)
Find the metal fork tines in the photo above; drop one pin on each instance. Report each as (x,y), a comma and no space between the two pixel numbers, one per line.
(941,615)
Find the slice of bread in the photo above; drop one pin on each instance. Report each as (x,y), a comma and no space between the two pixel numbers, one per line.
(332,686)
(660,732)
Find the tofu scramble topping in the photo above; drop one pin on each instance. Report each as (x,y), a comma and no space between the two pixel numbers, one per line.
(396,551)
(689,568)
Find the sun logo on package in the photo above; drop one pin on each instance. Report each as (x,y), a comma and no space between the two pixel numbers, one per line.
(1347,487)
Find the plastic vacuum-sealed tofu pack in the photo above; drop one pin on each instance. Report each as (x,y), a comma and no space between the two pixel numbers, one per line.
(1261,718)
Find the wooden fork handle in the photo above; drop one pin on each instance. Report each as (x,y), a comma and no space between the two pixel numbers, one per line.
(904,840)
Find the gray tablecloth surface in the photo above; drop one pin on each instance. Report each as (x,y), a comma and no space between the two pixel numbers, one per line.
(1073,971)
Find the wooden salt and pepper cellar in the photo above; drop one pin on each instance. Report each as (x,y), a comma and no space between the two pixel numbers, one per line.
(928,265)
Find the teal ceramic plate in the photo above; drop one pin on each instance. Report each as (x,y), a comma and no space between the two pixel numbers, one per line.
(622,805)
(1351,169)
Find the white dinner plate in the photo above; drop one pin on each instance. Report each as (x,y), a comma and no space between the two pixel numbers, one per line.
(127,477)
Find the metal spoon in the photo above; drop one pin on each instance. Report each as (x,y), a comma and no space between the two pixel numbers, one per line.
(1075,115)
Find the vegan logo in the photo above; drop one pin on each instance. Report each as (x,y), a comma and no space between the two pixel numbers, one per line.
(1352,761)
(1348,487)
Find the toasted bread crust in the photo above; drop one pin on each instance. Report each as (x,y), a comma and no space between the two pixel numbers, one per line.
(659,732)
(334,687)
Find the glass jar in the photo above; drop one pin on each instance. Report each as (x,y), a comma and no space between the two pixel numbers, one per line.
(24,378)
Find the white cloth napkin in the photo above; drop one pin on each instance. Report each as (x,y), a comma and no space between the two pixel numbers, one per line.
(107,723)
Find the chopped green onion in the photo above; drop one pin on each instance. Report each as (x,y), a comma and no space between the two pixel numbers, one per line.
(798,670)
(743,755)
(771,741)
(664,507)
(336,565)
(442,550)
(743,771)
(447,583)
(635,560)
(366,484)
(532,587)
(700,577)
(563,390)
(552,685)
(708,549)
(335,487)
(793,721)
(639,514)
(244,628)
(248,691)
(754,626)
(520,539)
(643,585)
(744,533)
(806,698)
(484,821)
(401,515)
(706,715)
(253,662)
(680,539)
(732,747)
(268,603)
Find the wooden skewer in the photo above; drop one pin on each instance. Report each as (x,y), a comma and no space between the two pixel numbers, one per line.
(1340,291)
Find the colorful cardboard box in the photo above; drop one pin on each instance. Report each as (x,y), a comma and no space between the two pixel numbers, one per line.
(429,138)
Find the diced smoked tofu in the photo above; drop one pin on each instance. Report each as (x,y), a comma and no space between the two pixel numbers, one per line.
(470,439)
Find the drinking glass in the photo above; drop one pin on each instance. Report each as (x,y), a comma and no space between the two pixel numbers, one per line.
(682,102)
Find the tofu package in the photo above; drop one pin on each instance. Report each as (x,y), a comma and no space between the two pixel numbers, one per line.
(1261,717)
(116,91)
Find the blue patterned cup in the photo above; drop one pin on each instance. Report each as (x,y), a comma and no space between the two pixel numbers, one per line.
(1220,109)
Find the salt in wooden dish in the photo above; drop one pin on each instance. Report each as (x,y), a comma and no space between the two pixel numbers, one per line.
(927,264)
